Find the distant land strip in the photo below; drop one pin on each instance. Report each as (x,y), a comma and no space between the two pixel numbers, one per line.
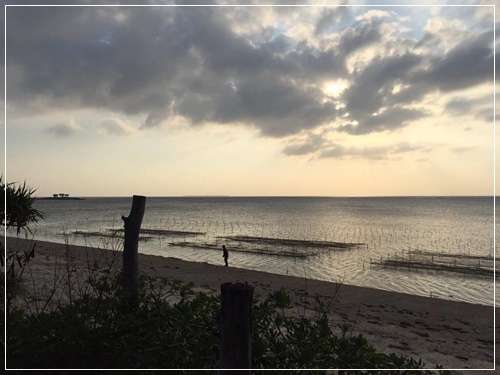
(61,198)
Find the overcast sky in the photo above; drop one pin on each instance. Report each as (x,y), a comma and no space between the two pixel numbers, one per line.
(330,101)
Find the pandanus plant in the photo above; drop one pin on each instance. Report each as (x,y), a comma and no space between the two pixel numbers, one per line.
(18,212)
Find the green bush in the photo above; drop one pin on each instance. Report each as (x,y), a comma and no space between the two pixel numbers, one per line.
(280,341)
(99,330)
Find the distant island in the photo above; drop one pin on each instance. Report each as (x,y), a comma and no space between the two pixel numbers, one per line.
(60,197)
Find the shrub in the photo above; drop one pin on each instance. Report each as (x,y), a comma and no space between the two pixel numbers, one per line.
(280,341)
(19,213)
(97,330)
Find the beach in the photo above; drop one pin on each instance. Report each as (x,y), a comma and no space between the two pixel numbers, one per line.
(455,335)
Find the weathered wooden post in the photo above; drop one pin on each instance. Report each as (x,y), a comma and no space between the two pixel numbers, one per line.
(236,327)
(130,246)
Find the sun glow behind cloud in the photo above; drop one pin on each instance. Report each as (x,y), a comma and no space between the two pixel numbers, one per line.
(335,88)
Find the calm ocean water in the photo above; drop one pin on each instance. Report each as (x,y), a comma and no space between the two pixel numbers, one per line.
(386,226)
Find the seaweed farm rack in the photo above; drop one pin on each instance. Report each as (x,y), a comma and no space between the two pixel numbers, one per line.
(284,247)
(466,264)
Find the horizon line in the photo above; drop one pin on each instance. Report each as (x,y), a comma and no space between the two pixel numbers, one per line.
(275,196)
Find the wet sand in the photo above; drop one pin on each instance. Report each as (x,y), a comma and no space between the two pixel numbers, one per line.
(456,335)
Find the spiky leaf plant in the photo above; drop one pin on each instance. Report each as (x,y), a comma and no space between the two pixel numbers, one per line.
(20,212)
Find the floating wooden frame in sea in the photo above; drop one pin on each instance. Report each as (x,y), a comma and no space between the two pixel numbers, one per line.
(116,234)
(465,264)
(280,247)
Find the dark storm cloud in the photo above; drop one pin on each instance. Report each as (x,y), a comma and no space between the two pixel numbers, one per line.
(468,64)
(373,85)
(390,119)
(370,101)
(312,64)
(373,104)
(285,107)
(163,62)
(361,35)
(159,62)
(75,65)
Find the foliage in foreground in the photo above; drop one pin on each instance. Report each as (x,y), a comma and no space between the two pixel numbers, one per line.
(19,213)
(98,330)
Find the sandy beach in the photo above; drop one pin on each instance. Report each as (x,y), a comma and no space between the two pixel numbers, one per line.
(456,335)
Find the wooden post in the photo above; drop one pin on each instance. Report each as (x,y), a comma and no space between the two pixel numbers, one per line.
(236,327)
(131,244)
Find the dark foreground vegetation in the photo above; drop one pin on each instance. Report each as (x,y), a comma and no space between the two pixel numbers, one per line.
(98,330)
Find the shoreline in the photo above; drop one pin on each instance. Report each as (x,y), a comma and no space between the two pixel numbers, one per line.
(455,335)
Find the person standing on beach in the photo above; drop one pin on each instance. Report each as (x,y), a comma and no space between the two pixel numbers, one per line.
(225,254)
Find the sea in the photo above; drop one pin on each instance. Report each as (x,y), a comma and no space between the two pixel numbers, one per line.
(380,238)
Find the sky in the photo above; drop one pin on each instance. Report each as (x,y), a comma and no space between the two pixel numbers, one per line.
(341,100)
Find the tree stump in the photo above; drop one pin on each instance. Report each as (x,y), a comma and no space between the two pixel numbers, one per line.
(236,327)
(132,225)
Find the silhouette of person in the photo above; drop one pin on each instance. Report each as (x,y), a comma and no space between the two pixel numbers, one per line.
(225,254)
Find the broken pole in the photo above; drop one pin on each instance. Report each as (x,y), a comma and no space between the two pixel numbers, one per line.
(236,327)
(132,225)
